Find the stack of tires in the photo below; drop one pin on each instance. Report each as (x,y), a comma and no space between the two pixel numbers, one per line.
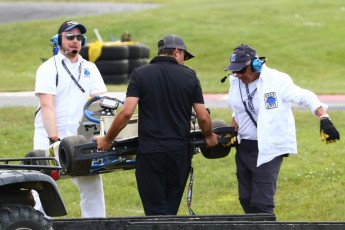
(117,62)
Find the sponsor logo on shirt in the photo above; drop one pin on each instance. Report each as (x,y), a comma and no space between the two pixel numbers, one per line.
(86,72)
(271,100)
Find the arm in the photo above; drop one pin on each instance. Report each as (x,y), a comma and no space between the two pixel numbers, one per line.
(48,113)
(205,124)
(120,121)
(234,124)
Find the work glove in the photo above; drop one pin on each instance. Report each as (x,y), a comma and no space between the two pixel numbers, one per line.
(233,138)
(328,132)
(52,140)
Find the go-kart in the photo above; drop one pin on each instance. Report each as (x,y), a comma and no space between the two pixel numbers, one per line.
(78,155)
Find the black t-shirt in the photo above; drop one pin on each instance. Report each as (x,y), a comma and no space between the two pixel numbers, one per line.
(166,92)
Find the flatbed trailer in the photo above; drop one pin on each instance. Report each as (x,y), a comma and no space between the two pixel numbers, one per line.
(196,222)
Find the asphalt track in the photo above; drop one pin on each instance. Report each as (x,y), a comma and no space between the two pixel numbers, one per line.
(27,11)
(335,102)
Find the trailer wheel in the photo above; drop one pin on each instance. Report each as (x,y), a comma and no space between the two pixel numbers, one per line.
(17,216)
(219,150)
(67,156)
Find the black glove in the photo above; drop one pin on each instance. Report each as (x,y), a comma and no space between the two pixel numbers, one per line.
(328,132)
(233,138)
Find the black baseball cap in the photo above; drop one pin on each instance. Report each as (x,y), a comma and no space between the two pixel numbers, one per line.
(68,25)
(241,57)
(174,41)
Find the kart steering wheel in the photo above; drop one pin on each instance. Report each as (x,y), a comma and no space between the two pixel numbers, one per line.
(108,106)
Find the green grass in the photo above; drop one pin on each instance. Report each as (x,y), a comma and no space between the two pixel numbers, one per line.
(310,186)
(301,38)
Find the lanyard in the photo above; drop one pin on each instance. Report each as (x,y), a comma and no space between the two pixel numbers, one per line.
(71,75)
(250,96)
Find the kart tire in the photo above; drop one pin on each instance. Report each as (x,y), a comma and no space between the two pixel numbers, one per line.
(84,52)
(138,51)
(36,153)
(18,216)
(134,63)
(218,151)
(114,53)
(115,78)
(67,156)
(112,67)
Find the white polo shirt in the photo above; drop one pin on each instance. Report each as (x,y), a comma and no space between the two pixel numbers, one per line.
(69,99)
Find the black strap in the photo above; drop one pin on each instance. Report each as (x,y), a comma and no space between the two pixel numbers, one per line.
(250,115)
(190,192)
(245,105)
(71,75)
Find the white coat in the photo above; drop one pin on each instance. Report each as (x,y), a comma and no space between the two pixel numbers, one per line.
(276,130)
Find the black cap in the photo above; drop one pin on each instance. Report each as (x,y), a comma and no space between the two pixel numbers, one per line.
(68,25)
(174,41)
(241,57)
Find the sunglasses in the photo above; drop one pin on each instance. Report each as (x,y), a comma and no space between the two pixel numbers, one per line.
(241,71)
(184,53)
(71,37)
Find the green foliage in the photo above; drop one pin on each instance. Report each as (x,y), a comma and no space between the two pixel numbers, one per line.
(301,38)
(310,185)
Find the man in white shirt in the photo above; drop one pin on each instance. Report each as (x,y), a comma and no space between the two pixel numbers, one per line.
(260,100)
(63,85)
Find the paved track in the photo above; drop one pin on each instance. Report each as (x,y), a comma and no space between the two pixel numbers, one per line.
(20,11)
(26,11)
(335,102)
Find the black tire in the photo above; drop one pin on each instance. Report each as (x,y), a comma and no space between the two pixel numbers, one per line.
(84,52)
(218,151)
(112,67)
(115,78)
(17,216)
(36,153)
(111,53)
(134,63)
(67,157)
(138,51)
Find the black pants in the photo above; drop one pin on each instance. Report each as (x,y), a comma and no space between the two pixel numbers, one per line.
(161,180)
(256,185)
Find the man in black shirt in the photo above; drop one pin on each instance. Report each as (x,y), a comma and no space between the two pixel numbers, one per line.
(166,92)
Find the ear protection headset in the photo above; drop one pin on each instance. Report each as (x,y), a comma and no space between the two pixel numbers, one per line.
(55,42)
(256,64)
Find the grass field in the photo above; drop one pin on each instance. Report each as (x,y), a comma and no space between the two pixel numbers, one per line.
(311,184)
(302,38)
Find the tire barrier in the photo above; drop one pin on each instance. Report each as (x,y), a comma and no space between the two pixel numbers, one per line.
(117,60)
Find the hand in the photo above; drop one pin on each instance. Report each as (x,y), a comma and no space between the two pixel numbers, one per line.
(328,132)
(212,140)
(233,138)
(102,143)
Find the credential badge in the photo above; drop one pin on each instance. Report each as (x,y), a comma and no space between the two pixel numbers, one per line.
(271,100)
